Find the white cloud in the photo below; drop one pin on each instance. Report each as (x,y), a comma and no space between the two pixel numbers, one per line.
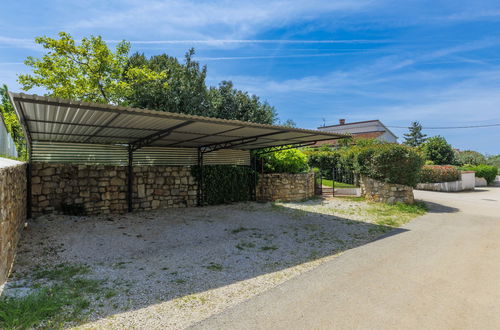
(203,20)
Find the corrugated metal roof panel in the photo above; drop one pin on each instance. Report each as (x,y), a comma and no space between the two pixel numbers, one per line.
(84,122)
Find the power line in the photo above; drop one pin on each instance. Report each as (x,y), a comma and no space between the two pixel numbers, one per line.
(450,127)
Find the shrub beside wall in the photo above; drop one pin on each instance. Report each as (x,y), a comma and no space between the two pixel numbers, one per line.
(486,172)
(439,173)
(391,163)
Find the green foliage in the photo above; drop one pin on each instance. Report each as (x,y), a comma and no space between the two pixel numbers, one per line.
(285,161)
(414,137)
(225,183)
(51,306)
(469,157)
(438,150)
(494,161)
(227,102)
(12,123)
(88,72)
(392,163)
(487,172)
(439,173)
(179,88)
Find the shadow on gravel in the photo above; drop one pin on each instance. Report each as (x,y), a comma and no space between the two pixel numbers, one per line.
(169,255)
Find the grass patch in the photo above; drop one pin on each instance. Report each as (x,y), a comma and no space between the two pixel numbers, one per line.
(239,230)
(215,267)
(269,248)
(395,215)
(67,299)
(329,183)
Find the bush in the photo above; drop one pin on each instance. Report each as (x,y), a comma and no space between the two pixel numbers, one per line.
(494,161)
(392,163)
(469,157)
(339,159)
(439,173)
(487,172)
(438,151)
(285,161)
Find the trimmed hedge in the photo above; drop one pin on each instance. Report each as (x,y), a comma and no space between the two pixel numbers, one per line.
(439,173)
(486,172)
(392,163)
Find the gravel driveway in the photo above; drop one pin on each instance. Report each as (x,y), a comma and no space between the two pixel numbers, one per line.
(173,268)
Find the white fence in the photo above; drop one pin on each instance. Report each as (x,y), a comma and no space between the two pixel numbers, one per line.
(7,145)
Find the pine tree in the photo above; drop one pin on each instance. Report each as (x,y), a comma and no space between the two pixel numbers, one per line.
(415,137)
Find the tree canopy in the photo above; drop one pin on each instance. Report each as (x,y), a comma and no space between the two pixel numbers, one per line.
(438,150)
(414,137)
(11,122)
(90,71)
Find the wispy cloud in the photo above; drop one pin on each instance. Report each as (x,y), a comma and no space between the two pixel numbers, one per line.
(215,42)
(19,42)
(203,20)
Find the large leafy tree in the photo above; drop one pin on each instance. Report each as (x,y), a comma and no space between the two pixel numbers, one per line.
(438,150)
(229,103)
(88,71)
(414,137)
(11,122)
(181,88)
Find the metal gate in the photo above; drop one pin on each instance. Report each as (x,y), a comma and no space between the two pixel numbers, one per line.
(326,181)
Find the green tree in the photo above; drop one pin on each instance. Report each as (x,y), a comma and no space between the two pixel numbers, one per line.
(11,122)
(182,88)
(229,103)
(414,137)
(469,157)
(89,71)
(438,150)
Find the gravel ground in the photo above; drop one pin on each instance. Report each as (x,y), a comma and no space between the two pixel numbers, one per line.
(173,268)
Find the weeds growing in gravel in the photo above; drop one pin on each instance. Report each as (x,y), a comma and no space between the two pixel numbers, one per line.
(215,267)
(65,299)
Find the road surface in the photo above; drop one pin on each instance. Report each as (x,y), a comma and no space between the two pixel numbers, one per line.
(441,272)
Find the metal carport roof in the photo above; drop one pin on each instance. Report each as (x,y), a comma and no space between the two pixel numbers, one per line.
(56,120)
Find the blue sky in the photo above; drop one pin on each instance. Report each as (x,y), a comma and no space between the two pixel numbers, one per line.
(437,62)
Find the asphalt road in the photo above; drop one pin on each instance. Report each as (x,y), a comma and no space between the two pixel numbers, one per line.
(441,271)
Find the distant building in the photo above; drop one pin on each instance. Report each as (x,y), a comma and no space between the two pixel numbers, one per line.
(369,129)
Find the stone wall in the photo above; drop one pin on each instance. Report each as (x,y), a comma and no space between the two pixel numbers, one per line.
(384,192)
(285,187)
(101,189)
(12,211)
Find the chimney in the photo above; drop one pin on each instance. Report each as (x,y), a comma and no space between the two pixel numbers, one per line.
(342,121)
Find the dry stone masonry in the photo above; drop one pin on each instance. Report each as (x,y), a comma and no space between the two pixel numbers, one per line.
(101,189)
(12,211)
(285,187)
(378,191)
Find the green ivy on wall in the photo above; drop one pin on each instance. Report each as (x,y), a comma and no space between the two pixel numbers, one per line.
(225,183)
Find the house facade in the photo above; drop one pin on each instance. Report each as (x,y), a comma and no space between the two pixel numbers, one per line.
(369,129)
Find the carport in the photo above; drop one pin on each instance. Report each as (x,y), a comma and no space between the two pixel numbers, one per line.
(60,130)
